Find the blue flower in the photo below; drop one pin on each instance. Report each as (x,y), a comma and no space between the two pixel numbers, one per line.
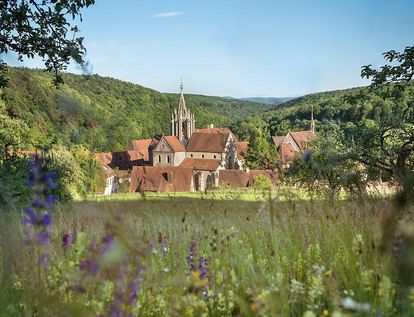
(43,237)
(47,220)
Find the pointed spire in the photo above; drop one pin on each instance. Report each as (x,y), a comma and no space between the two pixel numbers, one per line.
(312,125)
(182,109)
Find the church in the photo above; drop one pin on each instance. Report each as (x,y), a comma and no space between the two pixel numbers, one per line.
(189,159)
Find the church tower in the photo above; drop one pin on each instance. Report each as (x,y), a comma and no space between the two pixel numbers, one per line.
(182,120)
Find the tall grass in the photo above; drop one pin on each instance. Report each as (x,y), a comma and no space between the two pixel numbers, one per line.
(264,258)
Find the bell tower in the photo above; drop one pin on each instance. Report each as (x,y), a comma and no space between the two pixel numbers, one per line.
(182,120)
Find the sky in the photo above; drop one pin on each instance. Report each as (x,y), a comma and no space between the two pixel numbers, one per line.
(242,48)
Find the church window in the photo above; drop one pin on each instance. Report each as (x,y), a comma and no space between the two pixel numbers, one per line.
(202,155)
(168,159)
(159,158)
(215,156)
(191,155)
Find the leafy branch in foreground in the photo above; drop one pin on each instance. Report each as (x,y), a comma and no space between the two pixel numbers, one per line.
(42,28)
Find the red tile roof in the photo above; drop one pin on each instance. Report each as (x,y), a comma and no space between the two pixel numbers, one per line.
(271,175)
(141,149)
(201,164)
(104,158)
(233,178)
(286,153)
(277,140)
(242,149)
(302,138)
(211,140)
(161,179)
(174,143)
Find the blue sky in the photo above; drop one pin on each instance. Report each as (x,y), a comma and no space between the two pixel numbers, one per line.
(243,48)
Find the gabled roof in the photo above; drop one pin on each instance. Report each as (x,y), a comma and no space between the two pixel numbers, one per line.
(302,138)
(211,140)
(277,140)
(286,153)
(242,149)
(174,143)
(201,164)
(161,178)
(141,149)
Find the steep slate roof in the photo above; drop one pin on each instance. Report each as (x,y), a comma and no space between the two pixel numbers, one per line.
(286,153)
(242,149)
(212,140)
(302,138)
(201,164)
(141,149)
(161,178)
(174,143)
(277,140)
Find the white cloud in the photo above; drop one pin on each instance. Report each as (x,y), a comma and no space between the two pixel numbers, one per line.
(167,14)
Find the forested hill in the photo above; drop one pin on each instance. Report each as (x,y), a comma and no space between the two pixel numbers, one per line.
(342,108)
(104,114)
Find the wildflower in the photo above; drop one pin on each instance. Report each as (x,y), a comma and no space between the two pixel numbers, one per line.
(90,265)
(325,312)
(67,240)
(37,219)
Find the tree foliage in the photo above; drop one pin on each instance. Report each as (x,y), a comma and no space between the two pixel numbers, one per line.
(45,28)
(261,154)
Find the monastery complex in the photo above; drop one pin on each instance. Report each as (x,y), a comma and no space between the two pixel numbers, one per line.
(191,159)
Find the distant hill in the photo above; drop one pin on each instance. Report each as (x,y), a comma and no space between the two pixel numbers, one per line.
(104,114)
(274,101)
(344,108)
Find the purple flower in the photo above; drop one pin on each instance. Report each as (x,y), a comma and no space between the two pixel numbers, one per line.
(50,180)
(307,156)
(89,265)
(30,216)
(51,201)
(108,243)
(67,240)
(43,238)
(43,260)
(47,220)
(190,258)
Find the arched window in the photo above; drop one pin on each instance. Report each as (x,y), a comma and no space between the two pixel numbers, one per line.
(159,158)
(168,159)
(191,155)
(202,155)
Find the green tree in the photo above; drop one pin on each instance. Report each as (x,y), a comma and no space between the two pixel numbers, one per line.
(261,154)
(42,27)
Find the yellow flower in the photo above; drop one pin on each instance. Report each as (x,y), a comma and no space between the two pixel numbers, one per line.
(328,273)
(325,312)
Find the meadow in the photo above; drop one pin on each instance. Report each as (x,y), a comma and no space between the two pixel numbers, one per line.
(198,256)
